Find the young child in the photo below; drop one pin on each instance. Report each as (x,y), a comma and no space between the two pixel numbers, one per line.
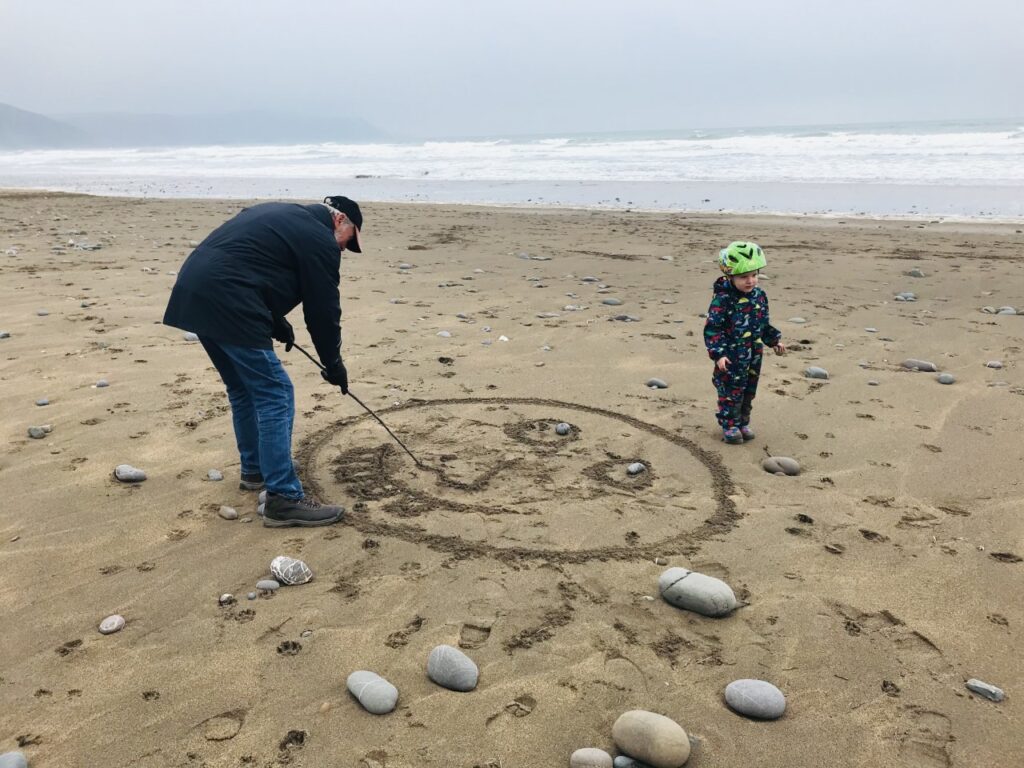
(735,334)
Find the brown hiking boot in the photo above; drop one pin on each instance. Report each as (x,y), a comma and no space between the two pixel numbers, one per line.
(282,512)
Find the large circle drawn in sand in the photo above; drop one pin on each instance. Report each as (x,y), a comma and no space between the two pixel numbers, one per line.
(498,482)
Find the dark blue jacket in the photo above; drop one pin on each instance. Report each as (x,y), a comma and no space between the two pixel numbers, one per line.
(257,267)
(738,325)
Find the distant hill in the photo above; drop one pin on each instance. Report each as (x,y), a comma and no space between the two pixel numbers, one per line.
(27,130)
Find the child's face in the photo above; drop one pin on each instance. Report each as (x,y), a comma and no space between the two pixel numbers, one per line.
(745,283)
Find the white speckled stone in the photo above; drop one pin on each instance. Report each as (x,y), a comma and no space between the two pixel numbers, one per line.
(562,429)
(995,364)
(655,739)
(636,468)
(190,337)
(13,760)
(126,473)
(589,757)
(373,692)
(814,372)
(755,698)
(781,464)
(290,571)
(112,624)
(696,592)
(215,474)
(623,761)
(451,668)
(919,365)
(228,513)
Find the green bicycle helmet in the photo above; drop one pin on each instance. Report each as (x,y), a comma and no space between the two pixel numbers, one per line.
(741,257)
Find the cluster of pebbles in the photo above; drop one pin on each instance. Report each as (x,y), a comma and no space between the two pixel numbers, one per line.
(651,740)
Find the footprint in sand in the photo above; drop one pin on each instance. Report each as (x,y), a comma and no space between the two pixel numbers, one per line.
(223,726)
(925,743)
(473,635)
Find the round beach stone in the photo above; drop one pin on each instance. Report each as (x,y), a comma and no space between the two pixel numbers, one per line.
(42,312)
(797,320)
(781,465)
(226,599)
(696,592)
(612,302)
(444,334)
(102,383)
(268,585)
(451,668)
(562,429)
(814,372)
(13,760)
(215,474)
(251,596)
(755,698)
(919,365)
(228,513)
(290,571)
(126,473)
(373,692)
(36,433)
(656,384)
(1006,311)
(655,739)
(190,336)
(590,757)
(112,624)
(945,378)
(43,401)
(5,335)
(995,364)
(636,468)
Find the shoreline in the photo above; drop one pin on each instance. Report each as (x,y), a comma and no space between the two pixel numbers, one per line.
(911,218)
(1004,203)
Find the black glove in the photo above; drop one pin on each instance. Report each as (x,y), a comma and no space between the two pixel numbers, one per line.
(284,333)
(337,375)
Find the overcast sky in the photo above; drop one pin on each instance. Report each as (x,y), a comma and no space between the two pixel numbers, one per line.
(480,67)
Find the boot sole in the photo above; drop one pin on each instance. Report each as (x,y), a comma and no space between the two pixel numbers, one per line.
(244,486)
(270,523)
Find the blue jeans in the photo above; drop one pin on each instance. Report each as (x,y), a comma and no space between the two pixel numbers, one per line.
(263,410)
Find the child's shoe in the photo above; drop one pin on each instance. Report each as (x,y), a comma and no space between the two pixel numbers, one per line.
(747,432)
(733,436)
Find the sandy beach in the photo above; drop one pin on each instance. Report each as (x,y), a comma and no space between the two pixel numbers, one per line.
(872,586)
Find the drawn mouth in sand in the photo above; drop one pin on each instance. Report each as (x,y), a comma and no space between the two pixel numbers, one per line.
(498,481)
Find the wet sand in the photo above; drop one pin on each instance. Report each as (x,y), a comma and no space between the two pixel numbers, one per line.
(872,586)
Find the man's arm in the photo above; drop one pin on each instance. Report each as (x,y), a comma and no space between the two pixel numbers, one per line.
(319,276)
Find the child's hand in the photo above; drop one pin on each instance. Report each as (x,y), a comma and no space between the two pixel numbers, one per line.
(780,348)
(722,362)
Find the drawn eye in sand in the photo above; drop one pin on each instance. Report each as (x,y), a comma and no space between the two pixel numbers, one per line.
(499,481)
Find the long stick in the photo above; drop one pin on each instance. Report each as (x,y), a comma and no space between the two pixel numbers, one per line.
(365,408)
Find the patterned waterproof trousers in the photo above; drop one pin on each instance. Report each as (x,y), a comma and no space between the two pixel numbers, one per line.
(736,387)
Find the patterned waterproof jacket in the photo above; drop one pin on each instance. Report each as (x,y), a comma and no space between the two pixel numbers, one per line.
(737,326)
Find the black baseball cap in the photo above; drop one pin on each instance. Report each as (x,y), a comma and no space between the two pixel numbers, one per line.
(351,209)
